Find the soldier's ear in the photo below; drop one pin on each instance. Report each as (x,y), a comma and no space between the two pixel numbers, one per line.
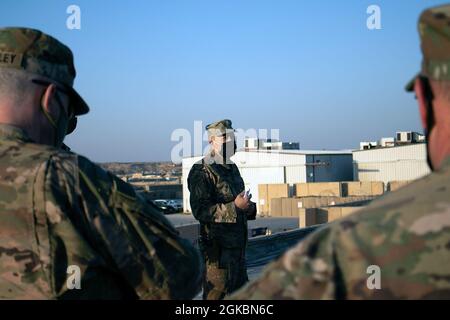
(47,100)
(422,101)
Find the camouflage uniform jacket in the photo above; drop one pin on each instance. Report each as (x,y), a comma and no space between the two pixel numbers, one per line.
(406,234)
(58,209)
(213,187)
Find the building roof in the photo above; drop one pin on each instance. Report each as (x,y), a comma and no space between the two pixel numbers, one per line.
(292,152)
(378,148)
(302,152)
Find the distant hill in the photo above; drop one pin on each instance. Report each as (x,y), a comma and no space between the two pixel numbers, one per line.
(162,168)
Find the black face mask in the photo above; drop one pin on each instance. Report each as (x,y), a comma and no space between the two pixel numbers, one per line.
(428,93)
(72,125)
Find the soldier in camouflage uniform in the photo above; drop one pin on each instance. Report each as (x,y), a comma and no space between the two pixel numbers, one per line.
(406,233)
(58,209)
(219,204)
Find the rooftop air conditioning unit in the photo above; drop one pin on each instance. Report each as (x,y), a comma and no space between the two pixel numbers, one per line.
(366,145)
(387,142)
(404,136)
(418,137)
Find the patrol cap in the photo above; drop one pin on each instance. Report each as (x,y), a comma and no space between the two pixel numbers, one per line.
(219,128)
(434,32)
(35,52)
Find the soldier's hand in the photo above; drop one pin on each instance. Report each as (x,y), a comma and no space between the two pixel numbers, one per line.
(241,202)
(251,211)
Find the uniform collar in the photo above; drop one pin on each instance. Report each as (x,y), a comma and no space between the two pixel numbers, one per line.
(213,158)
(9,132)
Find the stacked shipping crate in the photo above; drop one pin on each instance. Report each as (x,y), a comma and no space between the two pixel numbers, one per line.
(267,192)
(317,202)
(312,216)
(395,185)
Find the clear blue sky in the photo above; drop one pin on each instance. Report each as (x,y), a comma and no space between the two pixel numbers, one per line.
(309,68)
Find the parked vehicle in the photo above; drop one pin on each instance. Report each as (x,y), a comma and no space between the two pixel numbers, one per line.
(176,203)
(164,206)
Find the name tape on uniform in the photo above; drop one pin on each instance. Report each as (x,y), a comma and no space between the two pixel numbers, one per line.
(10,59)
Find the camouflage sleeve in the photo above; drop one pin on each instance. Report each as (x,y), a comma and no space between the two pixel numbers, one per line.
(204,204)
(139,241)
(307,271)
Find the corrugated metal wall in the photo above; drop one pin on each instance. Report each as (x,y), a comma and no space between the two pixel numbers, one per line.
(267,159)
(408,152)
(295,174)
(391,164)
